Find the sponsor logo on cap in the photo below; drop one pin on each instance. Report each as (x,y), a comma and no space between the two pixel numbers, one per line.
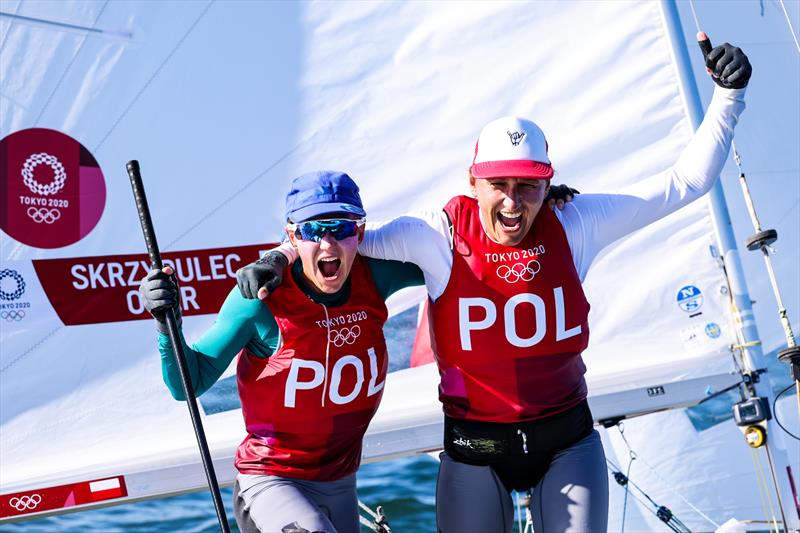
(516,137)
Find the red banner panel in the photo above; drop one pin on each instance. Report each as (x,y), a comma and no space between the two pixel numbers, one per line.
(94,290)
(50,498)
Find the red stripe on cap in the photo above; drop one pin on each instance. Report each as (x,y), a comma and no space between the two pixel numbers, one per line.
(515,168)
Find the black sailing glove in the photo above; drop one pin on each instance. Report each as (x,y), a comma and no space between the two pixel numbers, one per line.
(559,195)
(160,292)
(266,273)
(727,64)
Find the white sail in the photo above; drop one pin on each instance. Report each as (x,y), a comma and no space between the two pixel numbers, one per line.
(223,103)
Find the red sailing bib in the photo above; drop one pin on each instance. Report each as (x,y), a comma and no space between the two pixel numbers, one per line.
(307,406)
(511,324)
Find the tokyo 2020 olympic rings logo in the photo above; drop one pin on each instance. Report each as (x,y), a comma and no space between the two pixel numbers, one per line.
(12,316)
(519,271)
(23,503)
(42,214)
(53,188)
(344,336)
(16,293)
(59,174)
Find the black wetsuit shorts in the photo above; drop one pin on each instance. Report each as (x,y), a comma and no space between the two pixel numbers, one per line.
(520,453)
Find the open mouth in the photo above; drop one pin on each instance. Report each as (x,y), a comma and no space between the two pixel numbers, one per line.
(510,220)
(329,267)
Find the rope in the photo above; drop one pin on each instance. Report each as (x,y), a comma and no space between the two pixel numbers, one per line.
(775,410)
(763,491)
(678,494)
(627,491)
(632,455)
(791,29)
(379,523)
(656,510)
(666,484)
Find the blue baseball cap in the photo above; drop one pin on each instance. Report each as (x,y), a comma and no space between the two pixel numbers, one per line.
(320,193)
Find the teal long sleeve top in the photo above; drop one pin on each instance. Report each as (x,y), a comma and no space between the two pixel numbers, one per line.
(249,323)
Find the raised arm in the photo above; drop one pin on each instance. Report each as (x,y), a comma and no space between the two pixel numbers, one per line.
(594,221)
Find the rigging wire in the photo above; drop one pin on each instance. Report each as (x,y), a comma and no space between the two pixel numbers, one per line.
(659,511)
(694,15)
(785,14)
(113,127)
(791,28)
(763,239)
(155,74)
(627,491)
(775,411)
(10,25)
(669,486)
(69,65)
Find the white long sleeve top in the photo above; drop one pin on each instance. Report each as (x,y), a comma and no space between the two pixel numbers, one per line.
(591,221)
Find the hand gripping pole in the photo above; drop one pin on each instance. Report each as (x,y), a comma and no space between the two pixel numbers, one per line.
(177,348)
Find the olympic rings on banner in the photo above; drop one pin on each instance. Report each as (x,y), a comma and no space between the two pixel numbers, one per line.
(15,315)
(519,271)
(25,502)
(345,336)
(59,174)
(42,214)
(19,291)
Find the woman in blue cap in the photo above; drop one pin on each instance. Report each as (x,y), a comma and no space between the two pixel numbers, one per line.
(312,363)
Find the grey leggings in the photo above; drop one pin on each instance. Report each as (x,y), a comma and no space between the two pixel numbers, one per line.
(571,497)
(274,504)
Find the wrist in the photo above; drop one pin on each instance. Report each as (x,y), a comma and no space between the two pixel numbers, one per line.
(161,323)
(288,251)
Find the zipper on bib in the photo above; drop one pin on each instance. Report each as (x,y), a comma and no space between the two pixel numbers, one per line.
(524,441)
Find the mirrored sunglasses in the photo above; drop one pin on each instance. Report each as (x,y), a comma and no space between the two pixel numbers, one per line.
(315,230)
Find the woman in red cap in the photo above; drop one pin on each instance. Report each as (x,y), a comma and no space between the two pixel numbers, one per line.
(311,367)
(509,316)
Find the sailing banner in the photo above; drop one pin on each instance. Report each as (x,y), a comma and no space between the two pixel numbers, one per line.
(96,290)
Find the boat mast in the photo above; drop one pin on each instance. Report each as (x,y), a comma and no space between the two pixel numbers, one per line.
(752,356)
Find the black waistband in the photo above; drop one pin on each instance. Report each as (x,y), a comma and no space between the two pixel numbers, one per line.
(477,442)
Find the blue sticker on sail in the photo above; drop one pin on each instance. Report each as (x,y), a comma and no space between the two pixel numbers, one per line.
(713,330)
(690,299)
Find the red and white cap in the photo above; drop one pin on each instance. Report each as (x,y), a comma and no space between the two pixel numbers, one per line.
(511,147)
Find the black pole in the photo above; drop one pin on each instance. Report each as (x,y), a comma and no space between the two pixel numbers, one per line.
(177,348)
